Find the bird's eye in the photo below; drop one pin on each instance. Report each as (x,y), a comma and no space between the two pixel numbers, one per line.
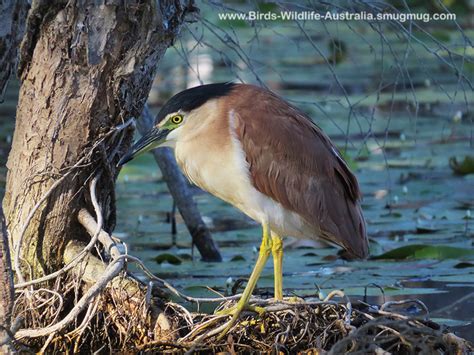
(177,119)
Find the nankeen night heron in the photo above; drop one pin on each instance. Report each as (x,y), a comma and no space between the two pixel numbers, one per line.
(249,147)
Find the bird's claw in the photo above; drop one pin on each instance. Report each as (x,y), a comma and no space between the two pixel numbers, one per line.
(294,299)
(235,311)
(231,311)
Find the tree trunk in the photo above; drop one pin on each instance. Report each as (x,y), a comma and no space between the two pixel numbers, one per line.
(85,69)
(182,195)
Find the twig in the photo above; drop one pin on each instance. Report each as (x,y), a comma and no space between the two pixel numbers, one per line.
(89,223)
(402,302)
(174,290)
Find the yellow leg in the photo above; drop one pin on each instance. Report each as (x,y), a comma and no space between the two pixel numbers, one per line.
(263,255)
(277,252)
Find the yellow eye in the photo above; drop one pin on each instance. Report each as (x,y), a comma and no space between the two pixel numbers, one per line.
(177,119)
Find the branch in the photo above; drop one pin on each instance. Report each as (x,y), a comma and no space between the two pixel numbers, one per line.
(89,223)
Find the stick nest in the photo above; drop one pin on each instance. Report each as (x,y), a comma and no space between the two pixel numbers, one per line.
(113,323)
(314,327)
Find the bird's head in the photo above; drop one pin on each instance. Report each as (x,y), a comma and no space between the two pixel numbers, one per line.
(174,115)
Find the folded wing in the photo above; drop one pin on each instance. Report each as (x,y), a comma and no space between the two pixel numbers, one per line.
(292,161)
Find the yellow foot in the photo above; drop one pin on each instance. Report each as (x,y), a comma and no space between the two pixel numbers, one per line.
(235,312)
(234,309)
(294,299)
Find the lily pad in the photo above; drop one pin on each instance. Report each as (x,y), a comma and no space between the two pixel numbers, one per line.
(464,167)
(237,258)
(169,258)
(463,265)
(420,251)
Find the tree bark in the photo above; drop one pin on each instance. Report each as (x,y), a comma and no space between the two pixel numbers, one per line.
(85,69)
(182,195)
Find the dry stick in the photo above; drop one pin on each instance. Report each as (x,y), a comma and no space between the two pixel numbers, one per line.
(51,300)
(112,270)
(347,318)
(89,223)
(107,240)
(91,310)
(402,302)
(201,326)
(212,332)
(46,344)
(179,294)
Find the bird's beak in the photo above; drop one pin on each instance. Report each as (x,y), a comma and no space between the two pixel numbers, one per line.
(152,139)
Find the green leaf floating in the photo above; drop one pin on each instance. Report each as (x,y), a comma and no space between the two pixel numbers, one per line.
(420,251)
(170,258)
(237,258)
(464,167)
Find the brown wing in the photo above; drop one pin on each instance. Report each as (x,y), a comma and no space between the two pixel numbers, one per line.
(294,162)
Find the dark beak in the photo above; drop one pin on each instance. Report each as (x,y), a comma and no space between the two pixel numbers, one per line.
(152,139)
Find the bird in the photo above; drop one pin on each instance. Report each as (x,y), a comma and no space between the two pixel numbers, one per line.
(251,148)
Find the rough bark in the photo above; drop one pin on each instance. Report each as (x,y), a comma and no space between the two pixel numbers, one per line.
(182,195)
(7,292)
(85,68)
(12,23)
